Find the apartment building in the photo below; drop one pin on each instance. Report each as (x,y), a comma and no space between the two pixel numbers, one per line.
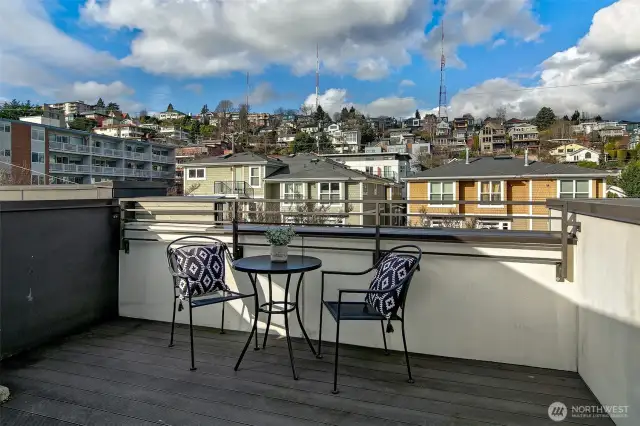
(40,154)
(492,137)
(72,107)
(294,180)
(49,117)
(259,119)
(494,179)
(612,132)
(523,135)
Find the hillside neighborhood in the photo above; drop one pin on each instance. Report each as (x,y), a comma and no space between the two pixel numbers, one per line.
(95,143)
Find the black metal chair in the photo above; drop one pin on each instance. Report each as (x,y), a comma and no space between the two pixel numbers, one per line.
(384,298)
(197,265)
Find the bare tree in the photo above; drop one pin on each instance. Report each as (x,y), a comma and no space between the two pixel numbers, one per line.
(173,190)
(501,113)
(224,107)
(306,110)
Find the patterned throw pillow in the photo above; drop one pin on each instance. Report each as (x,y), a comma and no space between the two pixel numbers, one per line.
(204,267)
(390,273)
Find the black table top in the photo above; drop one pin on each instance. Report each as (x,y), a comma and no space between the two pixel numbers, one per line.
(264,265)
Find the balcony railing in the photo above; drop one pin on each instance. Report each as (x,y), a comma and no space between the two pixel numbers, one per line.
(238,188)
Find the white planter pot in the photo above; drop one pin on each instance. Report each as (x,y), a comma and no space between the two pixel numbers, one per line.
(279,253)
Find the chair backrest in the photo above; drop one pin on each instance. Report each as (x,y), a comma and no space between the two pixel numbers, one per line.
(394,272)
(198,265)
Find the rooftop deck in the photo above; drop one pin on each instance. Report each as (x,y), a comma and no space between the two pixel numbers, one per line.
(122,373)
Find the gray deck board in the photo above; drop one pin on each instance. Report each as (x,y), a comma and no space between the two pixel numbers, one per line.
(122,372)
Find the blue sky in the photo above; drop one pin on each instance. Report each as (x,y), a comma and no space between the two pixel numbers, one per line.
(147,54)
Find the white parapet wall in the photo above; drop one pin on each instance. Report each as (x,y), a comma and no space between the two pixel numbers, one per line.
(464,307)
(608,275)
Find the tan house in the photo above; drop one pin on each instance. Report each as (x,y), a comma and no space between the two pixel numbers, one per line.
(492,137)
(494,179)
(293,180)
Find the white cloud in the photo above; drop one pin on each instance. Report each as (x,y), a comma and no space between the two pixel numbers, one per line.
(499,42)
(34,53)
(198,38)
(598,75)
(91,91)
(333,100)
(407,83)
(194,87)
(474,22)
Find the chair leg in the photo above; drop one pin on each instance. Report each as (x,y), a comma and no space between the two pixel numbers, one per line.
(335,363)
(406,353)
(193,360)
(222,323)
(319,354)
(384,338)
(173,321)
(254,329)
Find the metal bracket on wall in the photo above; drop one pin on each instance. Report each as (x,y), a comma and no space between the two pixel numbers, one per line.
(125,246)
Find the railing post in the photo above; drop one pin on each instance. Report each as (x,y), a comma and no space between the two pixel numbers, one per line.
(377,253)
(234,222)
(562,268)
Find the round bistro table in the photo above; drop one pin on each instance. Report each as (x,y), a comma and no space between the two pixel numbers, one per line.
(263,265)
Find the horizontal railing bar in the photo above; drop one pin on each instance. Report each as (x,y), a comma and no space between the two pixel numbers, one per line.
(31,209)
(186,222)
(190,199)
(484,244)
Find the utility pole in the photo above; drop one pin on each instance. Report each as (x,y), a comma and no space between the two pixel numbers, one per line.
(442,99)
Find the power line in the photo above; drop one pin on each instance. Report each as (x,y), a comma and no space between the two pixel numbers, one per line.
(30,170)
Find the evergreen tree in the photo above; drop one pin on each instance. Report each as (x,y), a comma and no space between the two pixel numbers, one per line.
(205,109)
(170,108)
(418,115)
(545,118)
(100,103)
(575,117)
(112,106)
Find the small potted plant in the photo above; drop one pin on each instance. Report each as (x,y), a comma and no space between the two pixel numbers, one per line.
(279,238)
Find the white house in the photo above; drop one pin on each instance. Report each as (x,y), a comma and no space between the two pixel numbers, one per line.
(386,165)
(174,132)
(346,141)
(127,131)
(584,154)
(170,115)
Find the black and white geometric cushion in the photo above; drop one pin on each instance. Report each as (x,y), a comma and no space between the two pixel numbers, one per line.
(390,273)
(204,267)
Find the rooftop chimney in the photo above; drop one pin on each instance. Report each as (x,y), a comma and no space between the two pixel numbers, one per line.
(467,156)
(526,157)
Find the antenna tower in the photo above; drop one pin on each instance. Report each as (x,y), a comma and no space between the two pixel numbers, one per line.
(317,75)
(442,102)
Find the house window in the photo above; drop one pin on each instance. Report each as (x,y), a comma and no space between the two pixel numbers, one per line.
(330,191)
(37,134)
(387,172)
(196,174)
(37,157)
(293,191)
(254,176)
(365,189)
(574,189)
(369,170)
(491,190)
(5,127)
(587,155)
(37,180)
(5,152)
(375,190)
(441,191)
